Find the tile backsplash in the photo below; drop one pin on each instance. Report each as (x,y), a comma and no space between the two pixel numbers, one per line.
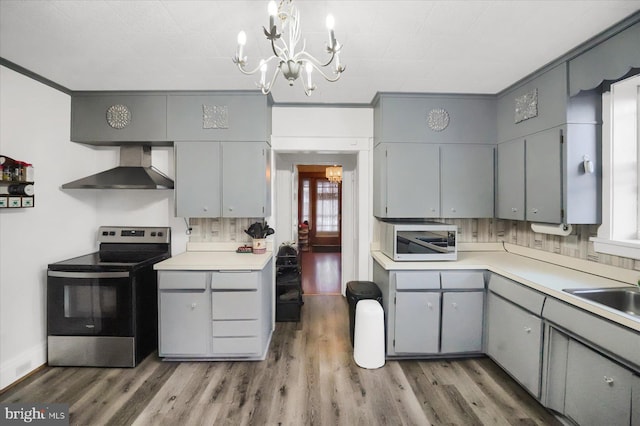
(576,245)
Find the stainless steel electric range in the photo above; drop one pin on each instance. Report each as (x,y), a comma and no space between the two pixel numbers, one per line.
(102,307)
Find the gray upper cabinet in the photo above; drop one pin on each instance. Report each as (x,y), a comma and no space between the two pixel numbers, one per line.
(218,116)
(198,179)
(537,104)
(222,179)
(423,118)
(406,180)
(466,173)
(245,179)
(544,177)
(112,117)
(510,186)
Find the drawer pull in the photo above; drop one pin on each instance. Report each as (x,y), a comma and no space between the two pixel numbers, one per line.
(193,306)
(455,305)
(527,330)
(430,305)
(608,380)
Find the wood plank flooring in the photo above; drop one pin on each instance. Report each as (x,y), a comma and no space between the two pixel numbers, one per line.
(321,273)
(308,378)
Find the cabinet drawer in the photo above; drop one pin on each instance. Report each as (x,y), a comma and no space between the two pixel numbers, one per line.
(417,280)
(460,280)
(240,328)
(241,280)
(236,345)
(235,305)
(531,300)
(180,280)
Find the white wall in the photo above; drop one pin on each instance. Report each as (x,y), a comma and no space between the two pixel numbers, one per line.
(34,127)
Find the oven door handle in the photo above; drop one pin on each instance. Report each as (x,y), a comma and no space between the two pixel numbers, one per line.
(67,274)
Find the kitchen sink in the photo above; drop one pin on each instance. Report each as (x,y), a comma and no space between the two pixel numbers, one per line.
(624,299)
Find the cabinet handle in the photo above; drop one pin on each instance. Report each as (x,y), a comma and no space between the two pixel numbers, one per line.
(430,305)
(230,209)
(534,211)
(608,380)
(433,210)
(453,210)
(193,306)
(527,330)
(205,208)
(513,209)
(455,305)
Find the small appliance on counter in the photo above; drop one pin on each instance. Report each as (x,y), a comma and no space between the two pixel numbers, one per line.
(418,240)
(102,308)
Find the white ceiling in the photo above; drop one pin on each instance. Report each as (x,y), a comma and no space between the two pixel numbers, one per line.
(389,46)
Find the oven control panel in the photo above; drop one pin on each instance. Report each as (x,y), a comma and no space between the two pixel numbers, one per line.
(130,234)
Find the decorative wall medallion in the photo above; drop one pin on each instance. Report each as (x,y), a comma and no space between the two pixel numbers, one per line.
(438,119)
(526,106)
(215,116)
(118,116)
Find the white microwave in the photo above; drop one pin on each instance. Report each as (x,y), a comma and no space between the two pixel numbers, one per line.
(419,241)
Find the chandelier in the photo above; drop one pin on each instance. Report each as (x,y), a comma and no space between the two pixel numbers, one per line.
(289,54)
(334,174)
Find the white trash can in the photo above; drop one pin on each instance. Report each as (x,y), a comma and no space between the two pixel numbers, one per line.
(368,347)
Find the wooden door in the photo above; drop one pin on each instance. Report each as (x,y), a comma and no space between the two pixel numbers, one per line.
(320,207)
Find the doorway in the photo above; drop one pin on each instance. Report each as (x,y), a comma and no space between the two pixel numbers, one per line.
(320,229)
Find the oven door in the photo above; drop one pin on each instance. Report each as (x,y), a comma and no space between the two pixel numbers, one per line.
(89,304)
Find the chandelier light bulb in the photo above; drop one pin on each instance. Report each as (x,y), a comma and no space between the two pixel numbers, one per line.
(242,38)
(332,37)
(272,9)
(330,22)
(308,68)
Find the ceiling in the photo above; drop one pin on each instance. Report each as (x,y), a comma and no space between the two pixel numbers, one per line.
(388,46)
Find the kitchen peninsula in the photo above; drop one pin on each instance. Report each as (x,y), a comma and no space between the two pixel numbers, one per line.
(215,305)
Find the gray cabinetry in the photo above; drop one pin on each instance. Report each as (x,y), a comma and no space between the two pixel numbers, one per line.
(510,194)
(183,326)
(215,314)
(222,179)
(635,400)
(467,180)
(198,179)
(433,118)
(218,116)
(598,390)
(110,117)
(432,313)
(544,177)
(407,180)
(514,331)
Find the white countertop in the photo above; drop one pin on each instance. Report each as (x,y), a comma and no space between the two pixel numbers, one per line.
(215,261)
(540,275)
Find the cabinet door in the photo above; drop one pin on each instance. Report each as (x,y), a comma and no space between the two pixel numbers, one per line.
(544,177)
(245,179)
(467,180)
(197,186)
(598,390)
(184,323)
(635,400)
(417,326)
(462,315)
(510,186)
(412,185)
(514,341)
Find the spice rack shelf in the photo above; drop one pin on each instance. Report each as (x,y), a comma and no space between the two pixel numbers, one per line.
(16,183)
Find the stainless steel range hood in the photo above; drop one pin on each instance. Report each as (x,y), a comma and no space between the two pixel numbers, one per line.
(134,172)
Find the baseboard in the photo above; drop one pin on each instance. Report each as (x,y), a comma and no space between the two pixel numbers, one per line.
(20,366)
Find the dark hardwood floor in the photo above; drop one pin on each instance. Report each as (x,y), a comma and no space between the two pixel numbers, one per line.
(308,378)
(321,273)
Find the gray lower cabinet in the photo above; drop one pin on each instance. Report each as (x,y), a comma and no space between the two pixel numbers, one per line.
(514,341)
(635,400)
(222,179)
(598,390)
(432,313)
(417,327)
(184,307)
(215,314)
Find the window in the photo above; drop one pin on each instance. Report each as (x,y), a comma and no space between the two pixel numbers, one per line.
(619,233)
(327,206)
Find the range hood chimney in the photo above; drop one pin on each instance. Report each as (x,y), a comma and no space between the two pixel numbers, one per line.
(134,172)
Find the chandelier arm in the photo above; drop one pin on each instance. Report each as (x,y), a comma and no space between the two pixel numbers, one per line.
(267,88)
(243,70)
(326,77)
(310,58)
